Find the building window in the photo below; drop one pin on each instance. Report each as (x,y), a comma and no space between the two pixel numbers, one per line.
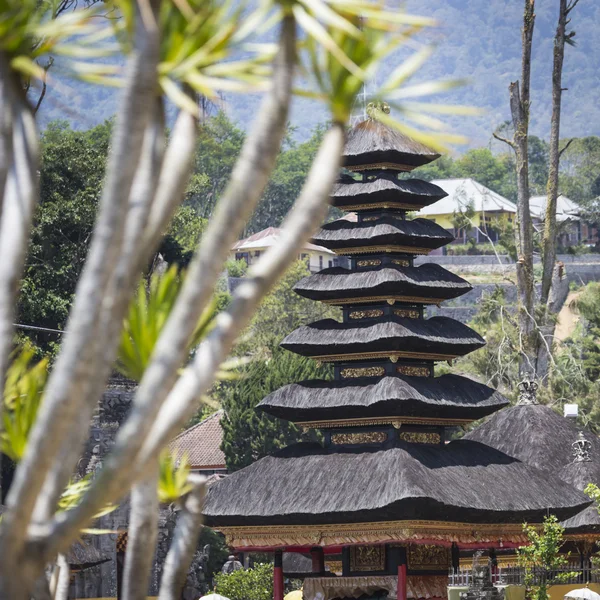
(330,264)
(257,253)
(320,262)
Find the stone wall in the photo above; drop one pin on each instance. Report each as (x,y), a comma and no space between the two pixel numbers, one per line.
(101,581)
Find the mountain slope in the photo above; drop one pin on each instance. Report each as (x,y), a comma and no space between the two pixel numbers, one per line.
(476,40)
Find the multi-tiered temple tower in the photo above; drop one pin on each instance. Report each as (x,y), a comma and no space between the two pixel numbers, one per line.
(385,493)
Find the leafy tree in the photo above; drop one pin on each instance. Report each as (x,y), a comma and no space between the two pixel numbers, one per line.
(219,145)
(236,268)
(538,165)
(249,435)
(286,181)
(246,584)
(493,171)
(442,168)
(283,310)
(72,172)
(542,555)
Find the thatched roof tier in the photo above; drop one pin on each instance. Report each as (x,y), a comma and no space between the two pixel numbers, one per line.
(418,236)
(579,474)
(373,145)
(430,283)
(444,398)
(385,191)
(535,434)
(438,338)
(83,555)
(463,481)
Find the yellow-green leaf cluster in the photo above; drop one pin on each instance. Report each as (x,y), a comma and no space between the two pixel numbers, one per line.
(173,477)
(23,390)
(148,313)
(74,492)
(32,29)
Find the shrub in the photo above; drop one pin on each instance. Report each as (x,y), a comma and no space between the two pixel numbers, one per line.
(246,584)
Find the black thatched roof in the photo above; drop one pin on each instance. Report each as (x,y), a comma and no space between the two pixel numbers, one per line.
(388,335)
(579,474)
(295,563)
(385,231)
(426,281)
(533,433)
(463,481)
(386,190)
(82,555)
(445,397)
(371,142)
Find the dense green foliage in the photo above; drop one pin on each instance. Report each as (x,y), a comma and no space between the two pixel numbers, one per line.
(246,584)
(542,554)
(249,434)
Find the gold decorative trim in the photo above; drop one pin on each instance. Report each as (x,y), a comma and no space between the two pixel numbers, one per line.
(383,166)
(366,314)
(334,566)
(362,372)
(367,558)
(407,313)
(412,371)
(372,205)
(383,355)
(363,437)
(367,219)
(387,249)
(401,262)
(428,557)
(371,262)
(421,437)
(388,299)
(397,422)
(248,537)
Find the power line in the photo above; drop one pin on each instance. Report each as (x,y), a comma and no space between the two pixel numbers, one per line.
(34,328)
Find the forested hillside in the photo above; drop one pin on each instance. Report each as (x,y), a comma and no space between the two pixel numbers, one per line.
(476,40)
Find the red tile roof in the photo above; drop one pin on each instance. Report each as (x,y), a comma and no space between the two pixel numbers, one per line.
(202,443)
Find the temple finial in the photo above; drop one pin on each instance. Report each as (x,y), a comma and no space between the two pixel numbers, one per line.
(581,449)
(379,106)
(527,390)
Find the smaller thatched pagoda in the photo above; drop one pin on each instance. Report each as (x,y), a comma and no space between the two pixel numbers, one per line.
(538,435)
(386,491)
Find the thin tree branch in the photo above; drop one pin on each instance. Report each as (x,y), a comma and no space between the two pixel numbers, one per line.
(562,150)
(142,534)
(309,210)
(59,412)
(185,541)
(505,140)
(20,192)
(571,6)
(130,264)
(63,579)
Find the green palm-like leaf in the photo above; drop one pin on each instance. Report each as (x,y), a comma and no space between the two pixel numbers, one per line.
(31,29)
(23,390)
(147,315)
(74,492)
(173,477)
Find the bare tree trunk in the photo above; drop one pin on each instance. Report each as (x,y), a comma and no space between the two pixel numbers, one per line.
(549,242)
(141,540)
(185,541)
(550,297)
(519,108)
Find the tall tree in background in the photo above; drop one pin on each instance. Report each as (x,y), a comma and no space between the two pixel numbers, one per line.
(555,286)
(519,107)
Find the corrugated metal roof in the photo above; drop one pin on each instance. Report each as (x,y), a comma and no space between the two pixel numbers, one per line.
(464,192)
(202,443)
(269,237)
(565,209)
